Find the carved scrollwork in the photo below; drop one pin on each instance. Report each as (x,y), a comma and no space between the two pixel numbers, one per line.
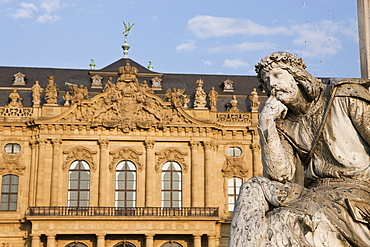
(171,154)
(11,164)
(234,166)
(125,154)
(79,153)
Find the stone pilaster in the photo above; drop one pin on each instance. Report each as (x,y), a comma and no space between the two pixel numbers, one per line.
(35,240)
(100,239)
(40,174)
(196,189)
(55,171)
(208,173)
(51,241)
(150,183)
(103,200)
(149,240)
(197,241)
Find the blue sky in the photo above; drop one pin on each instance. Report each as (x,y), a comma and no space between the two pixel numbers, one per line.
(189,36)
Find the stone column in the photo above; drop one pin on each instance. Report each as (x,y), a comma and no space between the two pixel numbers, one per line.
(256,155)
(150,175)
(51,241)
(39,175)
(35,240)
(55,172)
(208,173)
(149,240)
(196,200)
(100,240)
(211,241)
(197,241)
(104,178)
(363,12)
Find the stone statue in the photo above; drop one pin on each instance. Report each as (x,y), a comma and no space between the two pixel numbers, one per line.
(255,102)
(51,92)
(234,105)
(15,99)
(315,153)
(213,98)
(36,94)
(200,96)
(79,93)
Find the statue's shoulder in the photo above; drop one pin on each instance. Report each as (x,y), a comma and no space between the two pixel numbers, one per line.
(355,88)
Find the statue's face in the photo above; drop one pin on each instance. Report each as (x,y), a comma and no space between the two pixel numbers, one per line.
(281,84)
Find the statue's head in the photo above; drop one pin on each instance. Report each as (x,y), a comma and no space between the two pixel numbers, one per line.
(295,66)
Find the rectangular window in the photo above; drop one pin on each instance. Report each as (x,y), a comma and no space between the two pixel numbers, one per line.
(9,193)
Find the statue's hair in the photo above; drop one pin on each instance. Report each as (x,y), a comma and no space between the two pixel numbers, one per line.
(295,66)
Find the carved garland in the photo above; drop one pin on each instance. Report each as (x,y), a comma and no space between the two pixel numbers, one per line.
(10,164)
(171,154)
(125,154)
(79,153)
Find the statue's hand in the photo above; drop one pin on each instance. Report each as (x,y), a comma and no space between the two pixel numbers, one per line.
(272,110)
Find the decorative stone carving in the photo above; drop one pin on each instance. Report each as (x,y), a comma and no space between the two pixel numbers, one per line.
(255,104)
(200,96)
(67,99)
(171,154)
(96,81)
(234,105)
(51,92)
(19,79)
(234,166)
(156,83)
(36,94)
(15,99)
(315,142)
(145,88)
(228,85)
(244,117)
(177,97)
(79,153)
(213,98)
(11,164)
(79,93)
(125,154)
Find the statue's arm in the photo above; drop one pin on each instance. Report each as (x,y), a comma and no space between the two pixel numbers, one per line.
(278,158)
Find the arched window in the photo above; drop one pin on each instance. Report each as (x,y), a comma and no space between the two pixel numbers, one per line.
(171,244)
(78,244)
(9,193)
(79,184)
(124,244)
(233,187)
(171,184)
(126,184)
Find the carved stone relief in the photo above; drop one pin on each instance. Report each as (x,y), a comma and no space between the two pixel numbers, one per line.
(125,154)
(79,153)
(171,154)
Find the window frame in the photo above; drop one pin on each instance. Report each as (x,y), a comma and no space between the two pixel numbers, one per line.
(171,191)
(236,183)
(233,151)
(10,194)
(79,181)
(125,190)
(12,148)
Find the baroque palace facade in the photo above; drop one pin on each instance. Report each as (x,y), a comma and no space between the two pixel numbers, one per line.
(123,156)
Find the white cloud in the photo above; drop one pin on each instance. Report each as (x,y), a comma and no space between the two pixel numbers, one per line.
(26,11)
(320,40)
(47,18)
(235,63)
(186,46)
(51,5)
(207,62)
(242,47)
(204,26)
